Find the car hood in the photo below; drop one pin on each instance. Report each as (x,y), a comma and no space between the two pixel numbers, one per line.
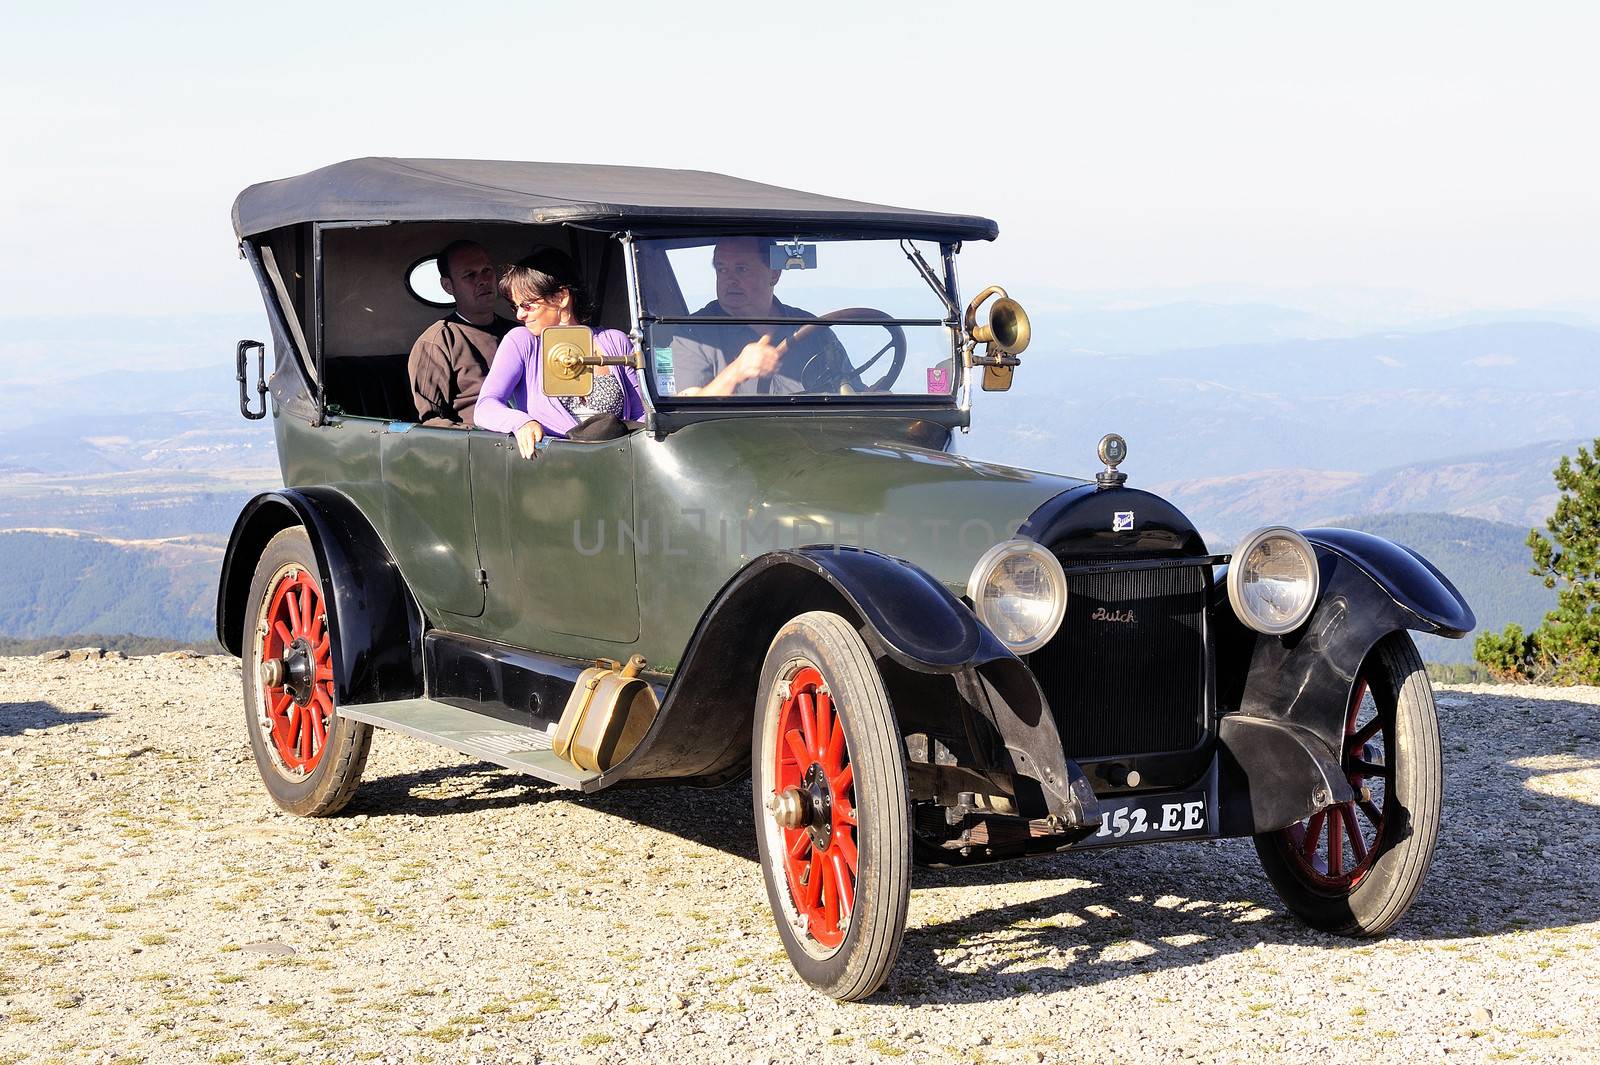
(878,483)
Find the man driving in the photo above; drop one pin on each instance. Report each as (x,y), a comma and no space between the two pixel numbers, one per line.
(449,360)
(740,359)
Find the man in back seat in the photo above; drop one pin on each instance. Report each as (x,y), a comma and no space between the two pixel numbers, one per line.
(451,357)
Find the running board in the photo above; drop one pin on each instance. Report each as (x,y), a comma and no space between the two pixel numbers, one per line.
(518,747)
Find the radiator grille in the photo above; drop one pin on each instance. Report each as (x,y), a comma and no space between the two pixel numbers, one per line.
(1126,672)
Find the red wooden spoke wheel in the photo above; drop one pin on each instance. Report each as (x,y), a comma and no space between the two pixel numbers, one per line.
(1335,847)
(832,807)
(310,758)
(815,800)
(296,671)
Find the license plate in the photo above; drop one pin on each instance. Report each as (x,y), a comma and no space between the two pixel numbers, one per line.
(1137,820)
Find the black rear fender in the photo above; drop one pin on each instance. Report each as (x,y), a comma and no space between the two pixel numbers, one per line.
(1281,765)
(375,628)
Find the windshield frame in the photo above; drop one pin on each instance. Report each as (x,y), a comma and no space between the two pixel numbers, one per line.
(667,412)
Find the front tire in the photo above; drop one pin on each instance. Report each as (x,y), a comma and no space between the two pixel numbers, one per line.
(309,757)
(1355,868)
(832,809)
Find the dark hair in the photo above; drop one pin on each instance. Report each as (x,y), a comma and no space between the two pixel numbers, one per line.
(449,250)
(543,274)
(764,245)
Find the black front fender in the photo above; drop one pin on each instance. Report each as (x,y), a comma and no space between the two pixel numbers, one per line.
(1426,597)
(375,628)
(910,616)
(906,617)
(912,619)
(1303,682)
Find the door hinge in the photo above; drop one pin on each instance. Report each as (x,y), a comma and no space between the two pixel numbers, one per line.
(483,577)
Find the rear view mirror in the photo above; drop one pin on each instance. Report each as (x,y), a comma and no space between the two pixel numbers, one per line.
(568,353)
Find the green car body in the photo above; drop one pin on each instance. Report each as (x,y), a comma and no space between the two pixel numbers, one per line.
(607,550)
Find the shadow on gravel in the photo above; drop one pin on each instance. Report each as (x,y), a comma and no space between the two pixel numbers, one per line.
(1513,854)
(14,717)
(1512,857)
(713,817)
(463,788)
(1134,910)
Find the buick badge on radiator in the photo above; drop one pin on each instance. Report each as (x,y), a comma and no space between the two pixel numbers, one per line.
(1122,616)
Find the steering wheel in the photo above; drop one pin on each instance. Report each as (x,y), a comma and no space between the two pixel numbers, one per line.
(848,378)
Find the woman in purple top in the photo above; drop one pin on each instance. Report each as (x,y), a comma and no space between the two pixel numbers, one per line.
(546,290)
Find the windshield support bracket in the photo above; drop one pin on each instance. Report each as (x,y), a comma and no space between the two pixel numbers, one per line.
(929,276)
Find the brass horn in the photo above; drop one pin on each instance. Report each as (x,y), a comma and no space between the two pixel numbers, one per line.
(1007,329)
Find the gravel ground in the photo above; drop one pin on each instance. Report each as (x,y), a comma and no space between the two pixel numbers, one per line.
(157,907)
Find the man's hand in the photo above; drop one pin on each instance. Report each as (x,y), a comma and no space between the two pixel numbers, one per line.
(759,358)
(528,435)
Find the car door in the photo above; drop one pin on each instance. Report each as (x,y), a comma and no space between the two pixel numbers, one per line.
(558,539)
(427,488)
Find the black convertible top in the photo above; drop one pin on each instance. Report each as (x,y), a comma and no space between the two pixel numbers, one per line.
(608,197)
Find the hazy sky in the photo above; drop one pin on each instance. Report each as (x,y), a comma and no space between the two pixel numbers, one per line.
(1442,147)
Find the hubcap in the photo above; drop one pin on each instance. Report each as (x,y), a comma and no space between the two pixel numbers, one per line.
(789,808)
(819,804)
(299,669)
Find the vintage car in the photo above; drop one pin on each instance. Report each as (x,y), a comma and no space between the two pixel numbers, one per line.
(918,658)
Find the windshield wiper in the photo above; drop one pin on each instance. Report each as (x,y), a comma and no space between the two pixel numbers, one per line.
(929,276)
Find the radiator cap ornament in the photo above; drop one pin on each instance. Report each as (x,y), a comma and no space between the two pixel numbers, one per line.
(1113,450)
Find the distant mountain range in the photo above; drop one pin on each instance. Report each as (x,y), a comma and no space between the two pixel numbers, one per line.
(1355,404)
(1513,486)
(135,505)
(1242,411)
(1137,323)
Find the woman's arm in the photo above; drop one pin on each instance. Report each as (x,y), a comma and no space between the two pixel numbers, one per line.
(506,373)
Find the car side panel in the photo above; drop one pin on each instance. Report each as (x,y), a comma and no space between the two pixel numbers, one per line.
(346,454)
(427,496)
(557,535)
(712,497)
(343,454)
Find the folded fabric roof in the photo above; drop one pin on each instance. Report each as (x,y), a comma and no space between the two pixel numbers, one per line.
(610,197)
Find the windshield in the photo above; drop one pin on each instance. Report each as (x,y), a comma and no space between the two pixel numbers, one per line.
(756,317)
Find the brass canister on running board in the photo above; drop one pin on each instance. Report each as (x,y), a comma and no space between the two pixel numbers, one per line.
(607,714)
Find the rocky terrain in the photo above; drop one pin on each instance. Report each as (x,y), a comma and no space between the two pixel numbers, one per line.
(155,906)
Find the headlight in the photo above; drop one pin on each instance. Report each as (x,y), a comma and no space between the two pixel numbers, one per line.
(1018,590)
(1272,582)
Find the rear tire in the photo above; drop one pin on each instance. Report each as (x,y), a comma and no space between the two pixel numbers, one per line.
(1354,868)
(840,883)
(309,757)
